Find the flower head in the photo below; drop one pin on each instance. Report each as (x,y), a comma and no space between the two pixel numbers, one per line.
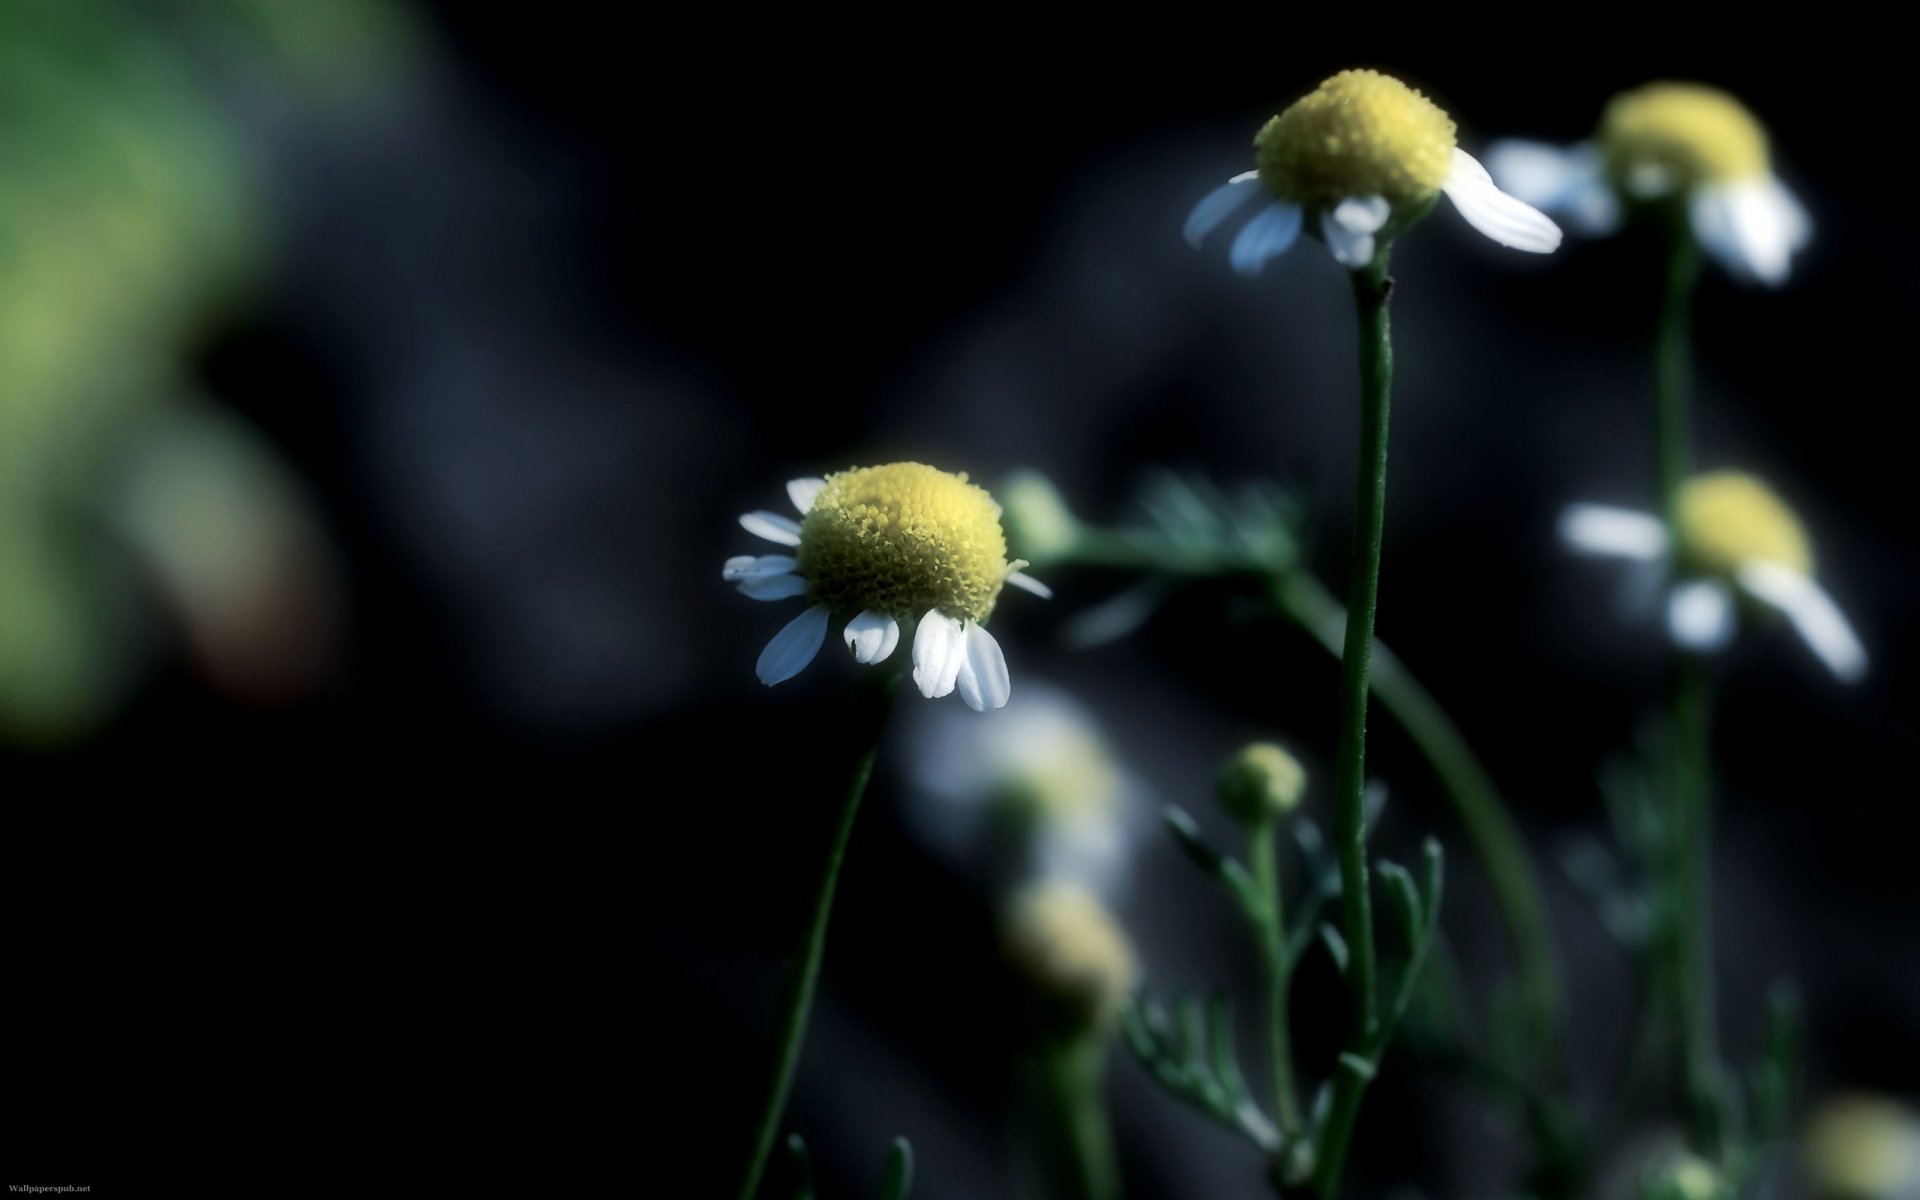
(1680,141)
(1736,539)
(1261,782)
(1863,1147)
(1070,948)
(1359,160)
(879,546)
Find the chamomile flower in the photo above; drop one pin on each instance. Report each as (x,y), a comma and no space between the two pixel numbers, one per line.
(881,548)
(1737,541)
(1073,952)
(1357,162)
(1670,141)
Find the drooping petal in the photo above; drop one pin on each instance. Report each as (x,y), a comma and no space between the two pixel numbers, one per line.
(1752,227)
(1612,532)
(772,526)
(1569,181)
(1812,612)
(1510,222)
(1272,230)
(773,587)
(1700,615)
(1028,583)
(982,678)
(793,647)
(1219,204)
(1348,228)
(803,492)
(754,566)
(872,636)
(939,646)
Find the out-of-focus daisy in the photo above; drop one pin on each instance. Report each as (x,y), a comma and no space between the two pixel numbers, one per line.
(1863,1147)
(879,547)
(1356,163)
(1670,141)
(1070,948)
(1034,794)
(1737,540)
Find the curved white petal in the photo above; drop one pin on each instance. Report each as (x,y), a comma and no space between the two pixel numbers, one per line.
(1813,613)
(1028,583)
(1512,223)
(1272,230)
(1612,532)
(982,678)
(939,646)
(1700,615)
(773,587)
(1752,227)
(1219,204)
(803,492)
(754,566)
(1570,181)
(1348,228)
(773,527)
(872,636)
(793,647)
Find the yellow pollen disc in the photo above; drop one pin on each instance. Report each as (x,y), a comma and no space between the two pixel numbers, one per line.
(902,539)
(1686,131)
(1360,133)
(1728,518)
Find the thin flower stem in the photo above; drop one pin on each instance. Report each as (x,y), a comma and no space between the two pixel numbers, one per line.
(803,971)
(1271,927)
(1688,942)
(1085,1163)
(1371,288)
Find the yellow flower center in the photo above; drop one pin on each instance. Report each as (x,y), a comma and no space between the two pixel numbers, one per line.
(1728,518)
(1676,135)
(1070,948)
(902,539)
(1360,133)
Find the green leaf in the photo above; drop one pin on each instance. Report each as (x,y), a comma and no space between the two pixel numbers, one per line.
(1226,1065)
(1433,878)
(1404,900)
(1336,945)
(898,1176)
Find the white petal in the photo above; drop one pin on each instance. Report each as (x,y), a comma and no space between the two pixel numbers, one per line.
(1028,583)
(803,492)
(1219,204)
(1512,223)
(773,587)
(753,566)
(1612,532)
(1700,615)
(872,636)
(1268,235)
(1751,227)
(939,646)
(983,677)
(793,647)
(1812,612)
(1348,228)
(1571,181)
(773,527)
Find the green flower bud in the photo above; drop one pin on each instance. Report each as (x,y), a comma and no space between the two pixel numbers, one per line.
(1040,527)
(1261,782)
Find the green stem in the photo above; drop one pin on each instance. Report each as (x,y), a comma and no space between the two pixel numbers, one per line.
(1083,1154)
(1271,929)
(803,972)
(1371,288)
(1672,455)
(1692,939)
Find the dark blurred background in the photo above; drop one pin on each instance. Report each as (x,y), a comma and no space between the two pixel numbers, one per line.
(451,838)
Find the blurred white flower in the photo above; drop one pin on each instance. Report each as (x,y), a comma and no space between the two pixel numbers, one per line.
(1033,794)
(1737,540)
(878,546)
(1357,162)
(1670,140)
(1863,1147)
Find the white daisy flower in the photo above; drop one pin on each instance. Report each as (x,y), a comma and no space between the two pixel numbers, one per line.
(1356,163)
(1034,794)
(1737,542)
(879,547)
(1670,141)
